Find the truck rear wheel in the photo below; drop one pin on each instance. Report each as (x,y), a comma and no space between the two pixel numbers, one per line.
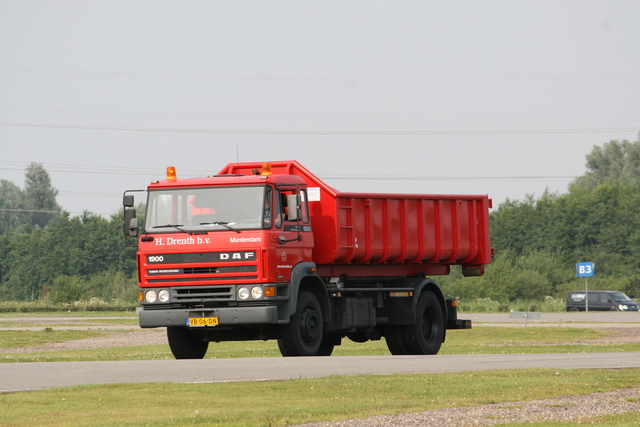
(186,344)
(302,336)
(426,336)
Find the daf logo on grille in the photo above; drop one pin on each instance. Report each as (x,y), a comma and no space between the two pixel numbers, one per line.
(236,256)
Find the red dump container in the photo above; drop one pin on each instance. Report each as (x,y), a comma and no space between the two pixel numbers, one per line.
(374,229)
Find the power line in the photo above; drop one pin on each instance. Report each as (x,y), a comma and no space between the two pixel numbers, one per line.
(55,212)
(92,169)
(88,171)
(327,132)
(341,118)
(119,170)
(30,210)
(451,178)
(408,79)
(88,194)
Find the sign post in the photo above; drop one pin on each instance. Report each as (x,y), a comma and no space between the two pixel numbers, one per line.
(586,270)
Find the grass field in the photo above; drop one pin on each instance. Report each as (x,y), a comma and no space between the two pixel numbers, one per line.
(481,340)
(296,401)
(304,400)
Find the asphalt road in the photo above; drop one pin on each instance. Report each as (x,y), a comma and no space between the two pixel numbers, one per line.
(579,319)
(32,376)
(562,317)
(599,319)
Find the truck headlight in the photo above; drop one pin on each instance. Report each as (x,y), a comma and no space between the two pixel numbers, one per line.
(243,293)
(151,296)
(163,295)
(256,292)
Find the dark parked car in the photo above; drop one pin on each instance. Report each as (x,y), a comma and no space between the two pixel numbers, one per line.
(600,300)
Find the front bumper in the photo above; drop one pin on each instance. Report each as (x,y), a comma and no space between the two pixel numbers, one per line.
(227,316)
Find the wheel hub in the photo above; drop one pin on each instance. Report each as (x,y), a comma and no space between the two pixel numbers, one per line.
(310,325)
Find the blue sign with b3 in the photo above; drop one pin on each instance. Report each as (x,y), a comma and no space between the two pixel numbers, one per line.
(585,269)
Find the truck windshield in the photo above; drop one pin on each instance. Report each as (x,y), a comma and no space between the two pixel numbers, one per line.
(206,209)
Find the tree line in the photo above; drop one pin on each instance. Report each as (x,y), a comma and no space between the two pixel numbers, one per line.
(47,254)
(538,241)
(34,205)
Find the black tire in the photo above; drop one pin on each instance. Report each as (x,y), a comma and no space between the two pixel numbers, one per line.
(426,336)
(186,344)
(326,347)
(303,335)
(394,337)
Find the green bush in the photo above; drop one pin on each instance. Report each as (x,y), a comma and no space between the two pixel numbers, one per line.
(487,305)
(113,285)
(67,289)
(46,305)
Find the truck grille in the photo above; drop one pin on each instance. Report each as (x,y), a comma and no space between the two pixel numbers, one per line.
(216,270)
(203,268)
(202,294)
(201,274)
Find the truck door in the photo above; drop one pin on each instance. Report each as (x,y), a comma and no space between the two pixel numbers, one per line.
(293,228)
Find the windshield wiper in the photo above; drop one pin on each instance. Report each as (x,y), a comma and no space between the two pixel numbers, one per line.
(224,224)
(176,226)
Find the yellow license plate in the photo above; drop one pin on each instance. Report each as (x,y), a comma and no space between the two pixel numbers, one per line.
(202,321)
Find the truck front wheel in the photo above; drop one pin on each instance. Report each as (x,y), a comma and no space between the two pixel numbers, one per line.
(426,336)
(186,344)
(302,336)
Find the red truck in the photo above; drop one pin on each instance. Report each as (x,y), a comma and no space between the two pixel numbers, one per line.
(266,251)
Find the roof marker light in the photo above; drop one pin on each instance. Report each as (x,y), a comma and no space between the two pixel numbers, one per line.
(171,174)
(266,169)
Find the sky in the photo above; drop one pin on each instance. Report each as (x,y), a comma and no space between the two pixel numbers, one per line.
(504,98)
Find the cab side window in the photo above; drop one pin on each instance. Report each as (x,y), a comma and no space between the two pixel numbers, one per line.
(291,206)
(268,211)
(304,207)
(282,210)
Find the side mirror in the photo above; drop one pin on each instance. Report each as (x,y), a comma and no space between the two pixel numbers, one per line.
(131,224)
(127,201)
(293,207)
